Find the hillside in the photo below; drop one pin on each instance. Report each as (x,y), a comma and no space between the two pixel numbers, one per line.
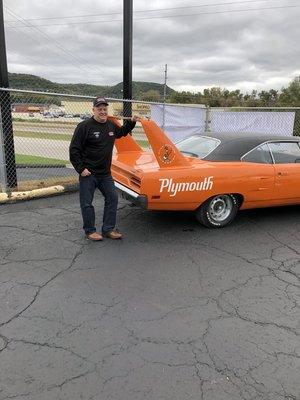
(32,82)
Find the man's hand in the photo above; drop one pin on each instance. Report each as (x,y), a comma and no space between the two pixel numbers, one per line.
(85,172)
(136,118)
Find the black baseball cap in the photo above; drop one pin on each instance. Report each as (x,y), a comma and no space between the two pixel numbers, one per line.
(100,100)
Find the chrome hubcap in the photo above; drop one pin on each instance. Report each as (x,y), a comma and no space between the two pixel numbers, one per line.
(220,208)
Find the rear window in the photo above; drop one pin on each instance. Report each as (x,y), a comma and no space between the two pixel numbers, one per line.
(197,146)
(260,155)
(285,152)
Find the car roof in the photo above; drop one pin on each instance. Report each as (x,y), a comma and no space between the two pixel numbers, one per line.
(234,145)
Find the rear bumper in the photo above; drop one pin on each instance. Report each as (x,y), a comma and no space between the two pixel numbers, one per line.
(128,194)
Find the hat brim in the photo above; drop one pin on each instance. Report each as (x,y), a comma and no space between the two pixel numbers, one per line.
(100,102)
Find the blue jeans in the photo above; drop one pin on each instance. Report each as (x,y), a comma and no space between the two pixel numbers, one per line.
(87,187)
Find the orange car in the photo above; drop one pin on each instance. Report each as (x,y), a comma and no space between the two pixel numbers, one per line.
(213,174)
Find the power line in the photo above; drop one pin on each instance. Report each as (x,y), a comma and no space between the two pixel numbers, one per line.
(37,61)
(170,16)
(56,43)
(34,39)
(146,11)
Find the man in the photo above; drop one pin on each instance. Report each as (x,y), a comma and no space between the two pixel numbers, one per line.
(91,154)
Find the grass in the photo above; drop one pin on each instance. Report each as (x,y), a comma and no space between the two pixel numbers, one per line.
(28,121)
(60,136)
(36,160)
(143,143)
(40,135)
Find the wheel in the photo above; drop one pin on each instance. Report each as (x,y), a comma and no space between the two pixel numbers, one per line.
(218,211)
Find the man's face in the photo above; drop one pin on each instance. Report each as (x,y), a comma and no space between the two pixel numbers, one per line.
(100,113)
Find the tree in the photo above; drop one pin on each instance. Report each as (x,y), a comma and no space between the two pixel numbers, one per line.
(268,99)
(151,95)
(290,96)
(182,97)
(212,97)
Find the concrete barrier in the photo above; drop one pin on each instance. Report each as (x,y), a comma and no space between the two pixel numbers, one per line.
(36,193)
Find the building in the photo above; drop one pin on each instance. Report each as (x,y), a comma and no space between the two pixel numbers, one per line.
(114,108)
(29,107)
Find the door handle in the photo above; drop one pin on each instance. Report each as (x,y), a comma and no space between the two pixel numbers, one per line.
(282,173)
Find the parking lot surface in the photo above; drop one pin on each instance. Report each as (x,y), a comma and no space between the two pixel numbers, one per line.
(174,311)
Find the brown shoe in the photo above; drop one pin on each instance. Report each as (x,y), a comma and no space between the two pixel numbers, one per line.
(113,235)
(94,236)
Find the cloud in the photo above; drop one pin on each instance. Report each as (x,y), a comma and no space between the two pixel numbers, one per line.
(238,50)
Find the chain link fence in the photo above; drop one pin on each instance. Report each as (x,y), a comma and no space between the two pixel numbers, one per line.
(272,120)
(36,129)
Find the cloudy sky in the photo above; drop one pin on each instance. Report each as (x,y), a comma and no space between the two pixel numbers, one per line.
(235,44)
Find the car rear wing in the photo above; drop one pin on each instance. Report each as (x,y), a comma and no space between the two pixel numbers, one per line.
(126,143)
(165,151)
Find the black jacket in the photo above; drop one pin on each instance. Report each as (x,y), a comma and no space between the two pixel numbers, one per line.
(92,145)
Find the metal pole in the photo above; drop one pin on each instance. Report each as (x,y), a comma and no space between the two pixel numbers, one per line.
(3,175)
(127,55)
(8,158)
(165,93)
(207,119)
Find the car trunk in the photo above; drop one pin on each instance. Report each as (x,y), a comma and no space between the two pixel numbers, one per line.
(128,168)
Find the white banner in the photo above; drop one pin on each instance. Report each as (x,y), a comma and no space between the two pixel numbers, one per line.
(180,121)
(272,122)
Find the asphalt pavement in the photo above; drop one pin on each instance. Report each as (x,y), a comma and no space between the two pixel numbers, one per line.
(42,173)
(174,311)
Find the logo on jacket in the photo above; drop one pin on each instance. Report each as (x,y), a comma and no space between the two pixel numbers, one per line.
(111,133)
(96,134)
(166,154)
(173,188)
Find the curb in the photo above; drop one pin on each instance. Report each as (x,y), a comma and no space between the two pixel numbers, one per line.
(14,197)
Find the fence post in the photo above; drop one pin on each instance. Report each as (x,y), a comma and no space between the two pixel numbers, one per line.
(164,99)
(6,118)
(8,140)
(163,116)
(3,176)
(207,119)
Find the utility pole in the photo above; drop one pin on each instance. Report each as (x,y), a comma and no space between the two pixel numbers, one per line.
(127,56)
(165,93)
(7,148)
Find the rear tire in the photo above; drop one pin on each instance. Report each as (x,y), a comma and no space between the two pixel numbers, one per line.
(218,211)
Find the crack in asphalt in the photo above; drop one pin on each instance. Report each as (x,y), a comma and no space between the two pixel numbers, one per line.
(36,233)
(43,286)
(48,345)
(286,245)
(5,341)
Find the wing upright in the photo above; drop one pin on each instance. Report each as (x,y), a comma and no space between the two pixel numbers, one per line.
(165,151)
(126,143)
